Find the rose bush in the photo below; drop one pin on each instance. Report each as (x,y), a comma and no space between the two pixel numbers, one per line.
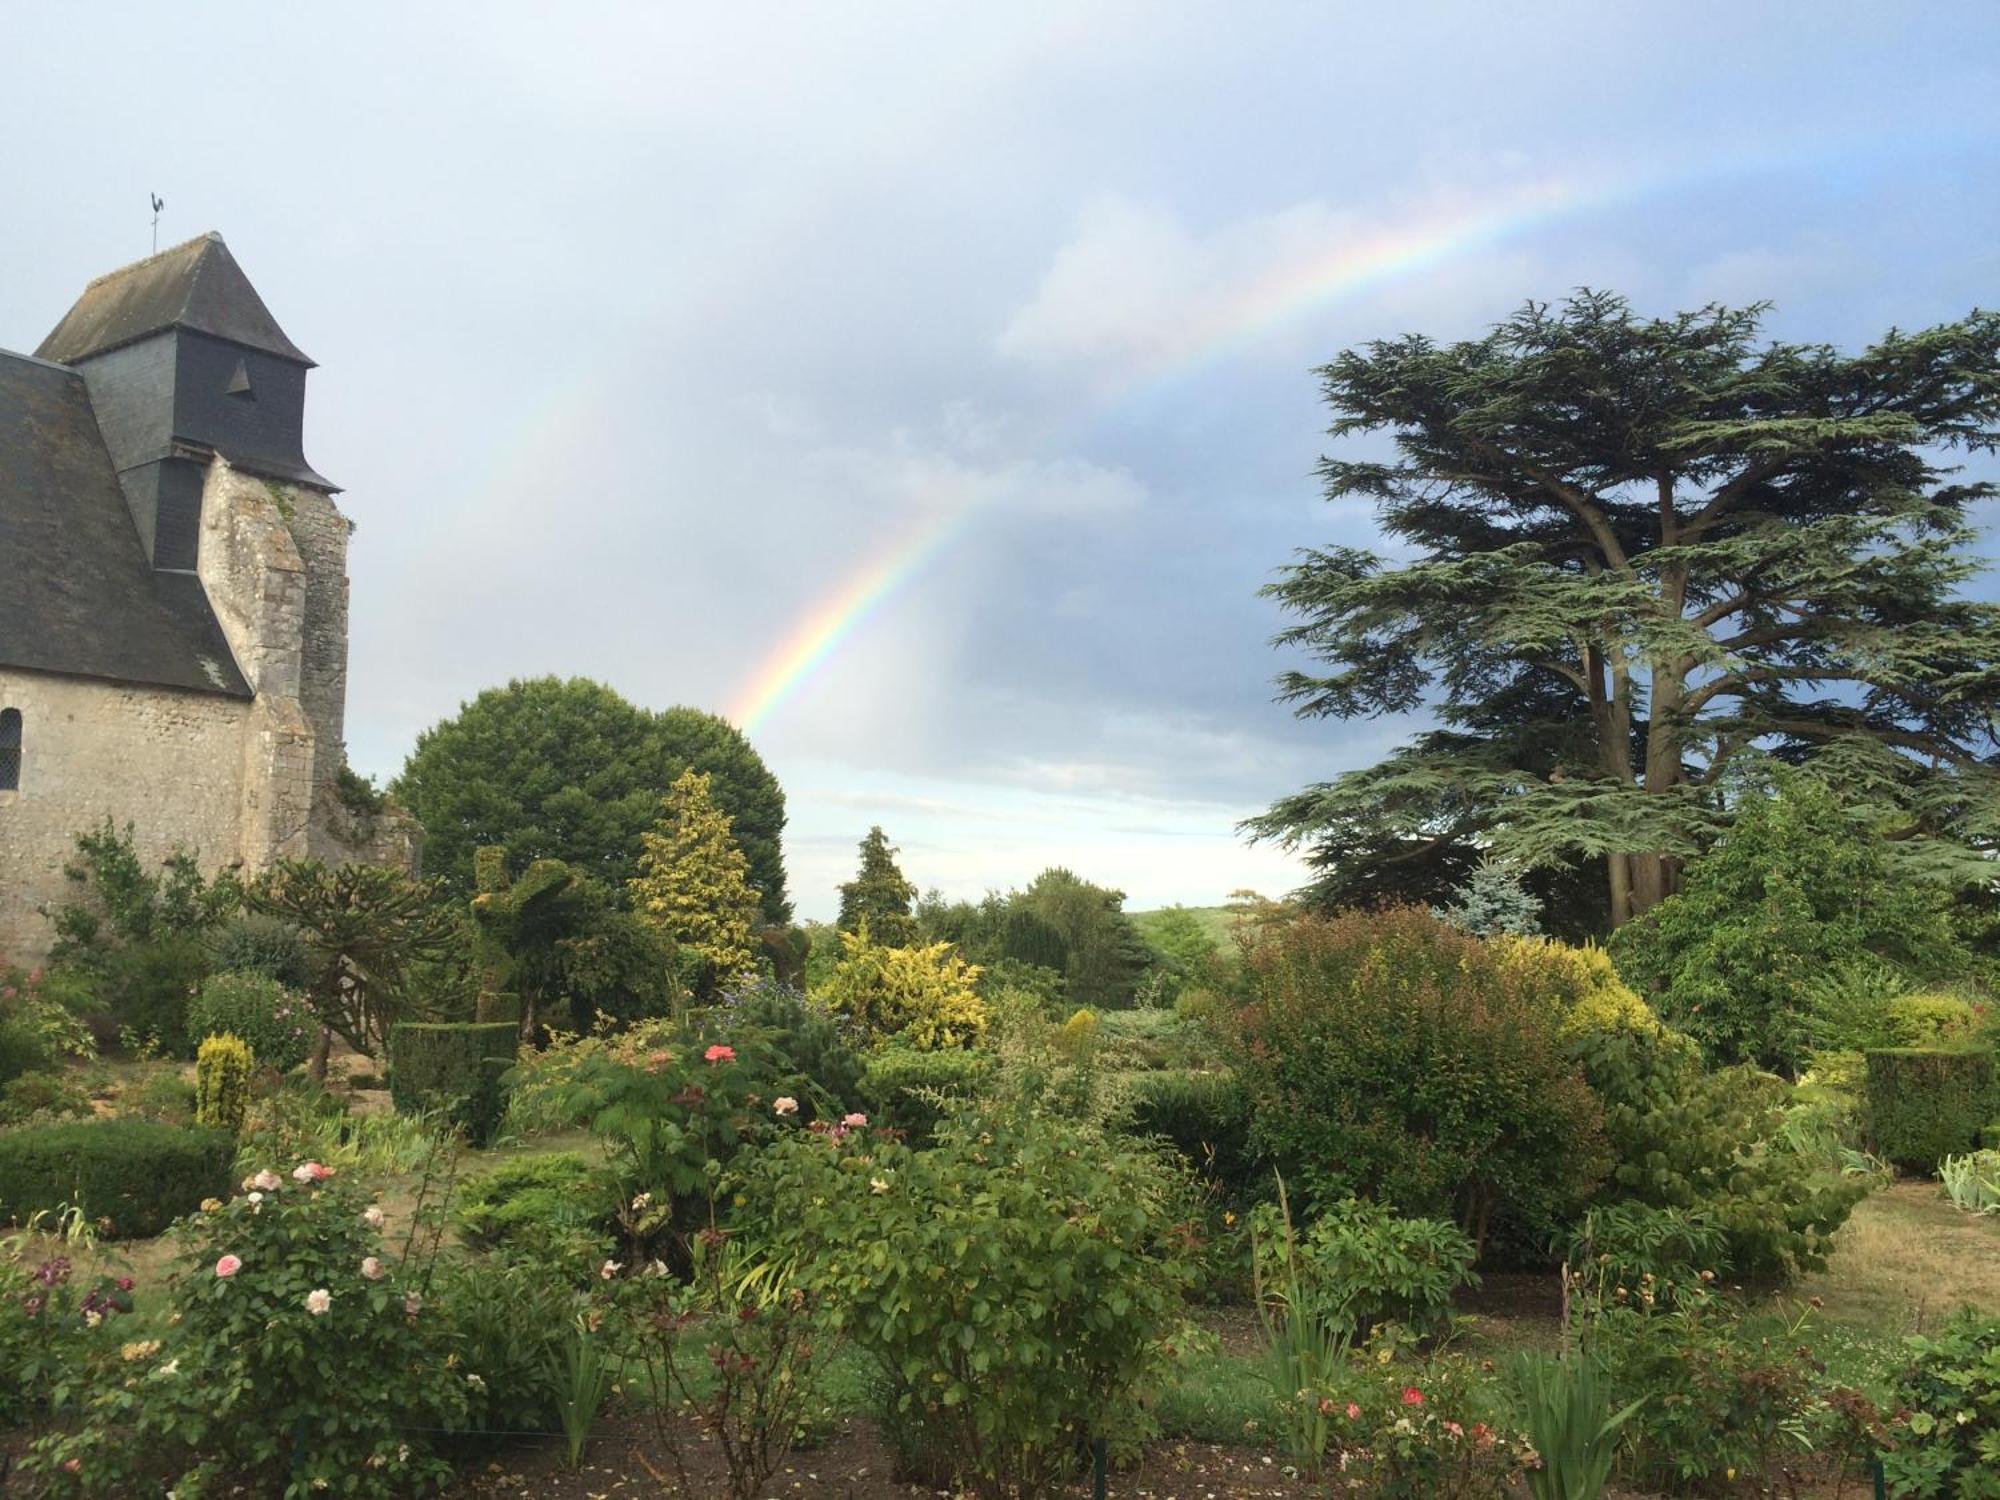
(299,1357)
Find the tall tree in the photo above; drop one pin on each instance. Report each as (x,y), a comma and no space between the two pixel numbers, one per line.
(569,770)
(879,896)
(1640,551)
(694,884)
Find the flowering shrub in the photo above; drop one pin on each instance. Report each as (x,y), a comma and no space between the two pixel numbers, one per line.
(1432,1433)
(54,1334)
(1013,1285)
(276,1022)
(29,1000)
(299,1357)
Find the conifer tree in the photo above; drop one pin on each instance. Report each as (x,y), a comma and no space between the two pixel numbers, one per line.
(878,897)
(1493,900)
(1631,556)
(694,885)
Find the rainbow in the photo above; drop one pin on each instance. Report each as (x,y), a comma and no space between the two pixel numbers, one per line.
(838,614)
(1424,240)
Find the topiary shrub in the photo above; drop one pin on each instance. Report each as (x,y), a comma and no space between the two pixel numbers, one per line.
(134,1177)
(1928,1020)
(1205,1117)
(454,1066)
(222,1083)
(903,1086)
(1927,1103)
(275,1023)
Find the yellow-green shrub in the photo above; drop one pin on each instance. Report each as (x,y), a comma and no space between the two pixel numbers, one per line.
(1079,1034)
(1580,983)
(1930,1020)
(922,995)
(222,1082)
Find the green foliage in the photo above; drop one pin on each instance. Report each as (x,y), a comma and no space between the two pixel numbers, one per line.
(123,903)
(1946,1435)
(1972,1181)
(131,1178)
(569,770)
(1792,890)
(358,793)
(1358,1266)
(923,997)
(1705,1142)
(508,1318)
(1390,1056)
(1566,1405)
(1493,900)
(45,1005)
(222,1082)
(22,1050)
(878,897)
(542,1206)
(908,1089)
(1205,1116)
(1925,1103)
(557,939)
(366,929)
(48,1097)
(1103,956)
(57,1332)
(1432,1433)
(253,944)
(693,885)
(1013,1285)
(1627,551)
(810,1049)
(276,1022)
(454,1066)
(298,1358)
(164,1095)
(1187,950)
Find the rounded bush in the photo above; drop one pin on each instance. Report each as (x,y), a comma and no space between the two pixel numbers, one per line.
(257,944)
(276,1023)
(22,1050)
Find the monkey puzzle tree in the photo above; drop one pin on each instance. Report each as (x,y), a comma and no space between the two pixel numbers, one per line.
(1632,555)
(879,896)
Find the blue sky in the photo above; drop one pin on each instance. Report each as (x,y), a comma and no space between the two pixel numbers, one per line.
(643,329)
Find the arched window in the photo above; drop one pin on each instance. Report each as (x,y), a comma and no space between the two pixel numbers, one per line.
(10,749)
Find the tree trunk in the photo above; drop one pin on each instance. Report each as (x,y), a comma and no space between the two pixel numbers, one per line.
(1619,871)
(322,1049)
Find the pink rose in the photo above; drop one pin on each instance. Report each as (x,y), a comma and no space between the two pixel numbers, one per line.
(311,1171)
(372,1268)
(268,1180)
(785,1104)
(1353,1412)
(854,1121)
(608,1270)
(413,1304)
(228,1266)
(373,1216)
(719,1053)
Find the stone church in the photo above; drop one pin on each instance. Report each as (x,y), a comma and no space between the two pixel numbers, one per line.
(173,592)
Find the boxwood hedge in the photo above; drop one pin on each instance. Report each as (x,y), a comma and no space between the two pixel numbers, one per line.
(134,1177)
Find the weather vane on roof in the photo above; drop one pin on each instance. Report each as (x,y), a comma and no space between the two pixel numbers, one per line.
(158,204)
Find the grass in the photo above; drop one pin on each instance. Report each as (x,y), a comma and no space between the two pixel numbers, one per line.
(1906,1261)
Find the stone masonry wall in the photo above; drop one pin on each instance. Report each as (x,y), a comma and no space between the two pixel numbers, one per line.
(170,763)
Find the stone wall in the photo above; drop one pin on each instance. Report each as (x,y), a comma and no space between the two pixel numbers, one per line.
(171,763)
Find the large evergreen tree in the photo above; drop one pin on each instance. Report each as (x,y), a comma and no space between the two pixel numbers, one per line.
(879,896)
(694,884)
(569,770)
(1633,553)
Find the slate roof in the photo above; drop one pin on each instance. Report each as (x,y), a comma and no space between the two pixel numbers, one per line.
(195,285)
(77,593)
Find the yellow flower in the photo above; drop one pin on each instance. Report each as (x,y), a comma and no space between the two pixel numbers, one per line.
(145,1349)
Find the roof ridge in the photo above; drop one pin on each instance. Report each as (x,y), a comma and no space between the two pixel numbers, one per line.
(147,260)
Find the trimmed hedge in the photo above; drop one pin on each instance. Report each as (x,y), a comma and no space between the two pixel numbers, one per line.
(456,1066)
(138,1175)
(1205,1117)
(897,1083)
(1927,1103)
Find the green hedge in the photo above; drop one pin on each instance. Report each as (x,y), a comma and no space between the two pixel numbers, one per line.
(1206,1117)
(455,1066)
(898,1081)
(137,1174)
(1927,1103)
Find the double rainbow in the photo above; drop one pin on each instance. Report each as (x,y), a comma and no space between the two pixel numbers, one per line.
(1286,295)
